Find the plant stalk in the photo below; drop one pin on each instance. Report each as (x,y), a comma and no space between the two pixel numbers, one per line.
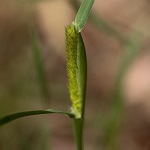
(78,133)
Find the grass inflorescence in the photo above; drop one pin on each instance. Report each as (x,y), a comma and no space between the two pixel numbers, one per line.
(72,67)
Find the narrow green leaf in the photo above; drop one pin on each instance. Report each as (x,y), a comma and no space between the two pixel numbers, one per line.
(46,137)
(11,117)
(83,13)
(113,120)
(39,66)
(101,23)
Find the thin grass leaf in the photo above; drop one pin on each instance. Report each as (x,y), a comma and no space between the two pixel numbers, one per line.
(41,76)
(113,120)
(12,117)
(83,13)
(46,143)
(100,23)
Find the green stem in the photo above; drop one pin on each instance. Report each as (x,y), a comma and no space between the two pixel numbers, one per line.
(78,133)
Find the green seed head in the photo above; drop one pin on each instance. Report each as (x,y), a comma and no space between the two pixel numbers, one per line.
(71,50)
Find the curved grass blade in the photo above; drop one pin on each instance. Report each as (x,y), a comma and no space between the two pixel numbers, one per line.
(83,13)
(100,23)
(114,119)
(11,117)
(46,138)
(37,57)
(41,75)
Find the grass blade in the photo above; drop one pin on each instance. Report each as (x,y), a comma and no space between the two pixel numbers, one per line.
(11,117)
(83,13)
(113,120)
(41,75)
(100,23)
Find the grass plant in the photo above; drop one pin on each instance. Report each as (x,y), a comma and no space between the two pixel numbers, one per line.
(76,68)
(77,77)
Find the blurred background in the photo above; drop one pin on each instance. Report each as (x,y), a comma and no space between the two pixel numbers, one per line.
(33,72)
